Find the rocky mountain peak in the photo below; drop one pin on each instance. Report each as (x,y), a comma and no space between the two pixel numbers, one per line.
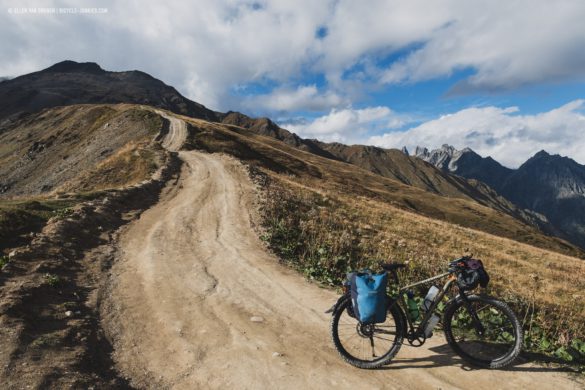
(541,154)
(466,163)
(70,82)
(448,149)
(69,66)
(549,184)
(421,152)
(444,158)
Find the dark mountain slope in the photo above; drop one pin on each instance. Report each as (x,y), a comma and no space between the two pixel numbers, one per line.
(264,126)
(69,82)
(554,186)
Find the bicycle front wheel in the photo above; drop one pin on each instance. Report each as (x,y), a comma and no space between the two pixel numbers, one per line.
(366,345)
(499,341)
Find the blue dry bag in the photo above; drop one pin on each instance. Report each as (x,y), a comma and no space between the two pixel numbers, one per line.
(368,295)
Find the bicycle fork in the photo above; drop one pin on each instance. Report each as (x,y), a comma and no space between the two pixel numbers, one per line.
(479,328)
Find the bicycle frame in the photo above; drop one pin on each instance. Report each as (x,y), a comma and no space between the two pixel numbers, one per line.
(442,291)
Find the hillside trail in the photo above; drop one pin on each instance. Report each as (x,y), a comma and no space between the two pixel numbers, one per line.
(177,134)
(192,274)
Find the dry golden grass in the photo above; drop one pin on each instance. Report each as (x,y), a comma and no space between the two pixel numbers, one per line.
(317,172)
(390,233)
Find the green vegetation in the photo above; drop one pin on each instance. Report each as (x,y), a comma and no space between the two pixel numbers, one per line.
(51,340)
(19,217)
(62,213)
(3,261)
(325,235)
(52,280)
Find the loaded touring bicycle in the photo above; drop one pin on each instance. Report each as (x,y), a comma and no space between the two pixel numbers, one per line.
(369,324)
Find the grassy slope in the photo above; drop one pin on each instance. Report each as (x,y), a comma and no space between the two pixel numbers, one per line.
(43,151)
(19,217)
(134,162)
(394,164)
(338,177)
(326,218)
(69,131)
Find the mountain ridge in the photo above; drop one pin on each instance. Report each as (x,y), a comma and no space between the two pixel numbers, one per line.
(548,184)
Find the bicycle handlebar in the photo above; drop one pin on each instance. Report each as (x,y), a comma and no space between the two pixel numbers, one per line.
(458,264)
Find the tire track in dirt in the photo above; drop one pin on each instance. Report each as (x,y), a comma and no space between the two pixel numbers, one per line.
(192,273)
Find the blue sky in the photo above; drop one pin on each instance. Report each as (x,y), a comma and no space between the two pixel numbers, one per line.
(506,78)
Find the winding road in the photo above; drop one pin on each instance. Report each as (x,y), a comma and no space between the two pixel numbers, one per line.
(196,301)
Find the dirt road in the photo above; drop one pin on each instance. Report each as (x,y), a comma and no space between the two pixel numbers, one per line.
(177,134)
(196,302)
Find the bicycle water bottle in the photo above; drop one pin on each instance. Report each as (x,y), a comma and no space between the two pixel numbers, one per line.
(430,298)
(413,311)
(427,303)
(433,321)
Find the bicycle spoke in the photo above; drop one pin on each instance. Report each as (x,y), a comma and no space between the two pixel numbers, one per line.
(364,342)
(382,338)
(497,339)
(352,336)
(383,331)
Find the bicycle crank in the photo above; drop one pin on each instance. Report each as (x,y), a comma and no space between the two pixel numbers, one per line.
(416,340)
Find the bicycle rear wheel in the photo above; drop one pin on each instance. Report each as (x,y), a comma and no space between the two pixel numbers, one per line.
(366,345)
(500,342)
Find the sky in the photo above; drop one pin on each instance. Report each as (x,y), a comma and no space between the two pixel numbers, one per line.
(506,78)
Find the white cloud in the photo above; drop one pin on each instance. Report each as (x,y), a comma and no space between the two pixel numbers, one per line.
(502,133)
(304,97)
(346,125)
(205,48)
(511,44)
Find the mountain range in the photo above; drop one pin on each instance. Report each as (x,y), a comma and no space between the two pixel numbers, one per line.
(547,184)
(543,193)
